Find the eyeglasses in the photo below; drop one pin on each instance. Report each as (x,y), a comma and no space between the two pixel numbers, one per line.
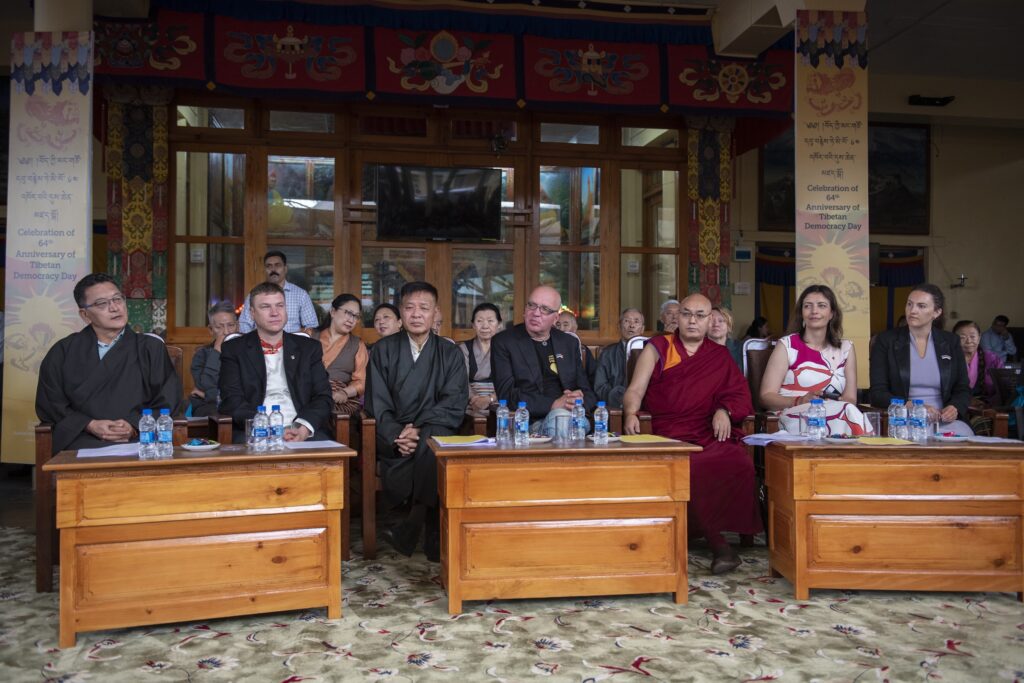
(698,316)
(348,314)
(105,304)
(531,306)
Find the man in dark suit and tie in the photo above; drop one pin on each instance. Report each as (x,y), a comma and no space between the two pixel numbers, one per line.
(536,363)
(270,367)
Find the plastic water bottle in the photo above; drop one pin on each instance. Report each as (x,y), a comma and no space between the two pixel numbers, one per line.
(260,430)
(578,431)
(918,422)
(522,436)
(600,424)
(816,427)
(164,434)
(504,433)
(897,419)
(147,436)
(276,440)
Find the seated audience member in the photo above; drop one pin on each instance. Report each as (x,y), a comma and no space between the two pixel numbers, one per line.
(535,363)
(386,320)
(720,332)
(567,323)
(438,323)
(610,378)
(667,320)
(477,351)
(271,367)
(345,355)
(923,361)
(94,384)
(998,340)
(814,361)
(301,312)
(695,393)
(984,392)
(759,329)
(205,368)
(416,389)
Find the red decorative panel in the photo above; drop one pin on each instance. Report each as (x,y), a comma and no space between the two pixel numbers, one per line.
(698,78)
(172,46)
(445,63)
(283,54)
(591,71)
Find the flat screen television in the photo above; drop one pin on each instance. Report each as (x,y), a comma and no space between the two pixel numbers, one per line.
(428,203)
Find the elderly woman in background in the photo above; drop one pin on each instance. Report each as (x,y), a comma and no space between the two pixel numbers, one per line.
(720,332)
(984,393)
(386,320)
(923,361)
(477,351)
(814,361)
(345,354)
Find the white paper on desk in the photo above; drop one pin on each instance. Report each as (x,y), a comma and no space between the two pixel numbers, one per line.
(765,439)
(299,445)
(991,439)
(107,451)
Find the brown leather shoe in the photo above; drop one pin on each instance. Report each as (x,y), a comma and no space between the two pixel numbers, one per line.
(724,561)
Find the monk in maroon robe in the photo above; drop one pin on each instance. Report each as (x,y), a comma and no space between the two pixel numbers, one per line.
(696,393)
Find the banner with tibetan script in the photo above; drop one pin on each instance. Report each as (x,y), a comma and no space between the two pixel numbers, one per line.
(455,63)
(284,54)
(596,72)
(699,78)
(169,46)
(831,145)
(49,215)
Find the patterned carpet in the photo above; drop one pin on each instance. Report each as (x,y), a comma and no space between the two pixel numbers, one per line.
(745,627)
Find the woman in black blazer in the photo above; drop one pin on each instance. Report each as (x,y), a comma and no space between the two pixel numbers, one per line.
(923,361)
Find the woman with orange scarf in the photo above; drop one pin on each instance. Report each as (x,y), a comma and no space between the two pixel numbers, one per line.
(345,354)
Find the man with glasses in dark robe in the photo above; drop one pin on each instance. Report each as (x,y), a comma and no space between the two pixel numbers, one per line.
(541,365)
(94,384)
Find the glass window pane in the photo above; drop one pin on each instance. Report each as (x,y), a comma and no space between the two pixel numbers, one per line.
(646,281)
(570,133)
(311,268)
(479,276)
(385,270)
(206,274)
(300,196)
(302,121)
(210,117)
(369,198)
(209,194)
(648,208)
(577,278)
(570,208)
(660,138)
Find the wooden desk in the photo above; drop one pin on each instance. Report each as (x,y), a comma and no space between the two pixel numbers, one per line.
(551,521)
(944,517)
(199,536)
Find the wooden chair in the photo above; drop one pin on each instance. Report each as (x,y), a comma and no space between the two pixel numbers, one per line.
(47,553)
(633,348)
(756,353)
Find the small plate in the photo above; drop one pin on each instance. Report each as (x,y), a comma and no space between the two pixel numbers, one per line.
(836,439)
(611,438)
(540,439)
(950,439)
(205,447)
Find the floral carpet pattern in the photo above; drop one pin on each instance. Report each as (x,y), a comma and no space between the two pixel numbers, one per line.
(742,627)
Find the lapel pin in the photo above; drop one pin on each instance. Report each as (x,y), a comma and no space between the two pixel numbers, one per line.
(292,357)
(559,356)
(945,357)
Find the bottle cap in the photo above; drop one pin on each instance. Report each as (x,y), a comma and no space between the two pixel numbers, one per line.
(522,404)
(600,404)
(579,401)
(502,402)
(147,411)
(277,408)
(165,411)
(816,401)
(918,401)
(261,409)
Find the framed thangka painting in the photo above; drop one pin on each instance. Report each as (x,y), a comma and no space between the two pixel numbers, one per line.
(899,178)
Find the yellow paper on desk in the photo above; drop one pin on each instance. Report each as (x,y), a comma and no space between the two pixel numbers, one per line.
(644,438)
(459,440)
(882,441)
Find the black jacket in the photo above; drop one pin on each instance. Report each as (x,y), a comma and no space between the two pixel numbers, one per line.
(515,370)
(243,380)
(890,369)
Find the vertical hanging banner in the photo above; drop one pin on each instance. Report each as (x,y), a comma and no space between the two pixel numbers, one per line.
(831,146)
(49,214)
